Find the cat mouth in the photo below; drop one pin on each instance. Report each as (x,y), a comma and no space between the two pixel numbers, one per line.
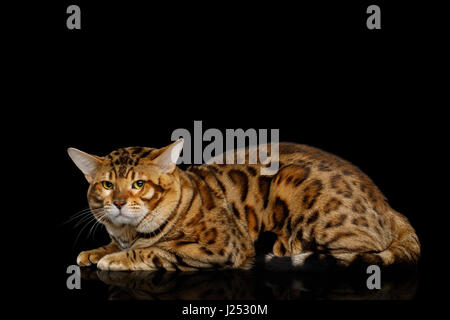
(123,218)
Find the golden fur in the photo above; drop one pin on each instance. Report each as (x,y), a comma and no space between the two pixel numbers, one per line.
(210,216)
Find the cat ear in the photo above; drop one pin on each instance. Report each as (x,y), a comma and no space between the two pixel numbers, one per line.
(167,160)
(87,163)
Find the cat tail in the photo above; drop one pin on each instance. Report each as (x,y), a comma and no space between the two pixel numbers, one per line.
(404,250)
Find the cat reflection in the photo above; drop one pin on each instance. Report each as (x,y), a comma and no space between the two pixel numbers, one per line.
(250,285)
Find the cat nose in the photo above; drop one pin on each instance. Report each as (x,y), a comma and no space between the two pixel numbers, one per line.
(119,203)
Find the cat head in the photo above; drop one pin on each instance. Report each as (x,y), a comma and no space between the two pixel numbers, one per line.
(137,187)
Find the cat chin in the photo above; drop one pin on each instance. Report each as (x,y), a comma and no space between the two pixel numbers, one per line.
(125,218)
(121,220)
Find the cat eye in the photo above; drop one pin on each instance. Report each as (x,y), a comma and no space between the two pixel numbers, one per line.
(138,184)
(107,185)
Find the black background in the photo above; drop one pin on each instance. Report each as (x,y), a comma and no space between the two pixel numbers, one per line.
(135,73)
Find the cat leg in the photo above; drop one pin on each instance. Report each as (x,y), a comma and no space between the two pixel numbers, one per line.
(287,263)
(152,258)
(240,253)
(177,256)
(86,258)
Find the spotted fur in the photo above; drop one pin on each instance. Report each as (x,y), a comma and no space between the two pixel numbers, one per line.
(210,216)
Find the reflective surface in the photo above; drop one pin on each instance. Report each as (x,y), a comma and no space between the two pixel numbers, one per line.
(254,284)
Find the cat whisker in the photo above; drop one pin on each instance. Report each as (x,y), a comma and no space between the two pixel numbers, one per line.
(96,227)
(82,213)
(87,222)
(76,216)
(84,219)
(81,231)
(99,220)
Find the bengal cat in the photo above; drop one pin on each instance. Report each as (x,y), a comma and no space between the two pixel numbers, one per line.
(209,216)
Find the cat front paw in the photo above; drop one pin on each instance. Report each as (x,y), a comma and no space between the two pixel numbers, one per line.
(87,258)
(115,262)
